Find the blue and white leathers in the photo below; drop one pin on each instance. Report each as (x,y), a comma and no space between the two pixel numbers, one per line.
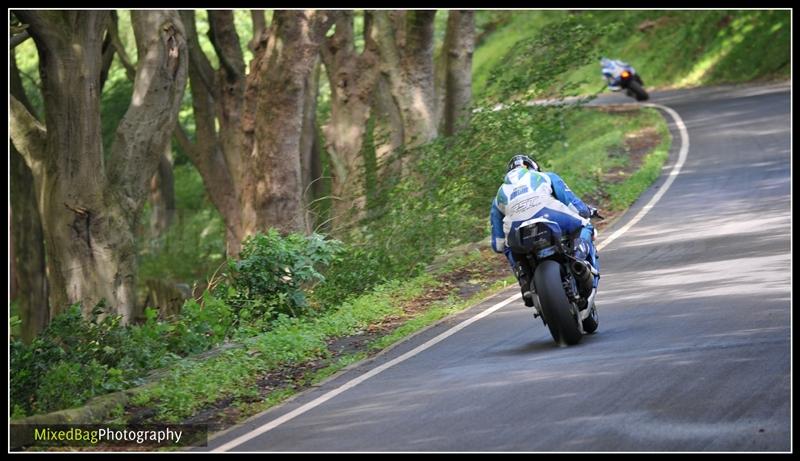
(527,194)
(612,71)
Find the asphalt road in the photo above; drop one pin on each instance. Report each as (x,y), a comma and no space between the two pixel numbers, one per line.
(693,348)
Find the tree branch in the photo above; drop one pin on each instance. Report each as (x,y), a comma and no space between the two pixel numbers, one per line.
(419,38)
(197,58)
(113,31)
(158,89)
(29,136)
(383,34)
(326,50)
(107,58)
(16,40)
(223,36)
(183,140)
(43,25)
(259,26)
(322,20)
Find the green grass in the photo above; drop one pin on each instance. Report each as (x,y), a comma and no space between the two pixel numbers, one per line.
(625,193)
(593,135)
(490,54)
(682,48)
(194,384)
(412,326)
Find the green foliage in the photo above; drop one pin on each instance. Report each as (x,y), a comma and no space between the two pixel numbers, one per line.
(497,32)
(75,358)
(272,271)
(70,361)
(194,246)
(28,65)
(190,385)
(536,63)
(595,138)
(443,201)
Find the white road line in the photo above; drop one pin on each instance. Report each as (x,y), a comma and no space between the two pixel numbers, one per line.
(360,379)
(672,175)
(356,381)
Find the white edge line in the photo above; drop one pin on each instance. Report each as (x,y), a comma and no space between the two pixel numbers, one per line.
(684,152)
(358,380)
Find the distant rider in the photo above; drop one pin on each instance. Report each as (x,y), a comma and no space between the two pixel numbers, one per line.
(528,193)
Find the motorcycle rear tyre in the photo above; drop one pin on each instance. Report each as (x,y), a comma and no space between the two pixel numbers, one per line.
(638,92)
(556,308)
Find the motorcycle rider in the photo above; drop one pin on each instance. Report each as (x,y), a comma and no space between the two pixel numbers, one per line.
(611,68)
(529,193)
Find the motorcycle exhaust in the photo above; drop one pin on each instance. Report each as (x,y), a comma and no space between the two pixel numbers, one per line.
(583,276)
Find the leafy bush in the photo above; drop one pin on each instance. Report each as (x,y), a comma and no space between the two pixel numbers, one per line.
(201,325)
(72,360)
(272,271)
(75,359)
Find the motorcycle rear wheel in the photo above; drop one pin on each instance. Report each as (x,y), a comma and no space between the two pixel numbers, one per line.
(638,92)
(556,308)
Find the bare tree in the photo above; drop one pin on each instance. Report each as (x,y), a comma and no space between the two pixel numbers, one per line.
(89,204)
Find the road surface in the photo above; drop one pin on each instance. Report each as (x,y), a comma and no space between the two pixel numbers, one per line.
(693,348)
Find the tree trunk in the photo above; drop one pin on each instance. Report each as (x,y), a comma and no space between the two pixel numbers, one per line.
(28,277)
(352,78)
(217,98)
(28,252)
(162,195)
(388,133)
(271,192)
(308,134)
(410,72)
(249,128)
(89,211)
(440,83)
(457,50)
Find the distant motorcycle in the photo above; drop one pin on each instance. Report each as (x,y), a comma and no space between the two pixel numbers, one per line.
(563,286)
(620,75)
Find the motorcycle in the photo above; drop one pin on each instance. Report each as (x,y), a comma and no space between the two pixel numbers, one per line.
(621,75)
(563,287)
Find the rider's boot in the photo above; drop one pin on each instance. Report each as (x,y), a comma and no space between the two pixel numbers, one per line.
(524,279)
